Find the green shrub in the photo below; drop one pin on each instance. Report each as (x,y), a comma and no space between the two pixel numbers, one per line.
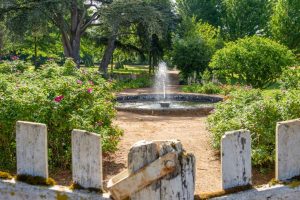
(210,88)
(191,55)
(8,67)
(254,61)
(249,109)
(192,52)
(140,82)
(290,78)
(206,77)
(64,98)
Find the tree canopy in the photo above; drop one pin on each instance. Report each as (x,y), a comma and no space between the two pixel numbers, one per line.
(285,23)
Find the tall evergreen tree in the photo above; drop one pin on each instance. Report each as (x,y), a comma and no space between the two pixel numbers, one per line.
(242,18)
(205,10)
(285,23)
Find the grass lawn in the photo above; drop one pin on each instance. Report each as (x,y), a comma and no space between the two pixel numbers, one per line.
(133,69)
(128,69)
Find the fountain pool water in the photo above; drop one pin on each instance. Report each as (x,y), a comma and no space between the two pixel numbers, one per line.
(165,103)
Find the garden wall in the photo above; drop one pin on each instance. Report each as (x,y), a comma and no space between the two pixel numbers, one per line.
(156,170)
(236,164)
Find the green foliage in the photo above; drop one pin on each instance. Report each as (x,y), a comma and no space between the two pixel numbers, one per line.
(242,18)
(190,55)
(199,29)
(211,88)
(254,61)
(142,81)
(69,68)
(290,78)
(8,67)
(285,23)
(193,51)
(206,77)
(64,98)
(205,10)
(249,109)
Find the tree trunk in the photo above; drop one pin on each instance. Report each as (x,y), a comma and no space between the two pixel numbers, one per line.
(35,53)
(72,46)
(112,65)
(1,40)
(76,50)
(150,62)
(107,56)
(71,38)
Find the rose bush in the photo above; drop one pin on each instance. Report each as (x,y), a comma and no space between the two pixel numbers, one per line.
(251,109)
(64,98)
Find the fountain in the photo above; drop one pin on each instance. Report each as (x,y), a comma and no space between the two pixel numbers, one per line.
(161,83)
(162,102)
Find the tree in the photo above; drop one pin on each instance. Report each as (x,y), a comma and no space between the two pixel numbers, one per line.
(194,49)
(71,17)
(190,55)
(155,53)
(285,23)
(242,18)
(205,10)
(2,36)
(254,61)
(28,27)
(122,18)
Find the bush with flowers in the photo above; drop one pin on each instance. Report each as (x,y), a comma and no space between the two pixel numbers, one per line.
(251,109)
(7,67)
(64,98)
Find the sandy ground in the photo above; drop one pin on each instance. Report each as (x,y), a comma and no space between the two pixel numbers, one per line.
(190,130)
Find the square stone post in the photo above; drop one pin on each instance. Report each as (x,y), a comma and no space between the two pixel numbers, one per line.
(87,159)
(287,150)
(178,185)
(32,151)
(236,159)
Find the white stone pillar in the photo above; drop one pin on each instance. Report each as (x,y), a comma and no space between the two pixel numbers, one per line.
(32,151)
(236,159)
(287,149)
(87,159)
(177,185)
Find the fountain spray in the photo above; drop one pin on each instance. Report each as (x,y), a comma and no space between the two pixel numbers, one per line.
(161,84)
(161,80)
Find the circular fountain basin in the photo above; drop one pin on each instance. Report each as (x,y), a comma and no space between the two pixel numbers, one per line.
(174,104)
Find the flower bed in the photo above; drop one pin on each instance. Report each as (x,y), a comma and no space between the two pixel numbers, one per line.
(64,98)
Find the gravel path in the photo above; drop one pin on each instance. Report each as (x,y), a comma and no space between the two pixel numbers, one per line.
(192,131)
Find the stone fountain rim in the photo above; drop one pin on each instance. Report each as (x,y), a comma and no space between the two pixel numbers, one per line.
(174,96)
(201,98)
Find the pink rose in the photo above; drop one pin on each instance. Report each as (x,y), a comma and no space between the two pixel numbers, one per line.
(58,98)
(90,90)
(14,57)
